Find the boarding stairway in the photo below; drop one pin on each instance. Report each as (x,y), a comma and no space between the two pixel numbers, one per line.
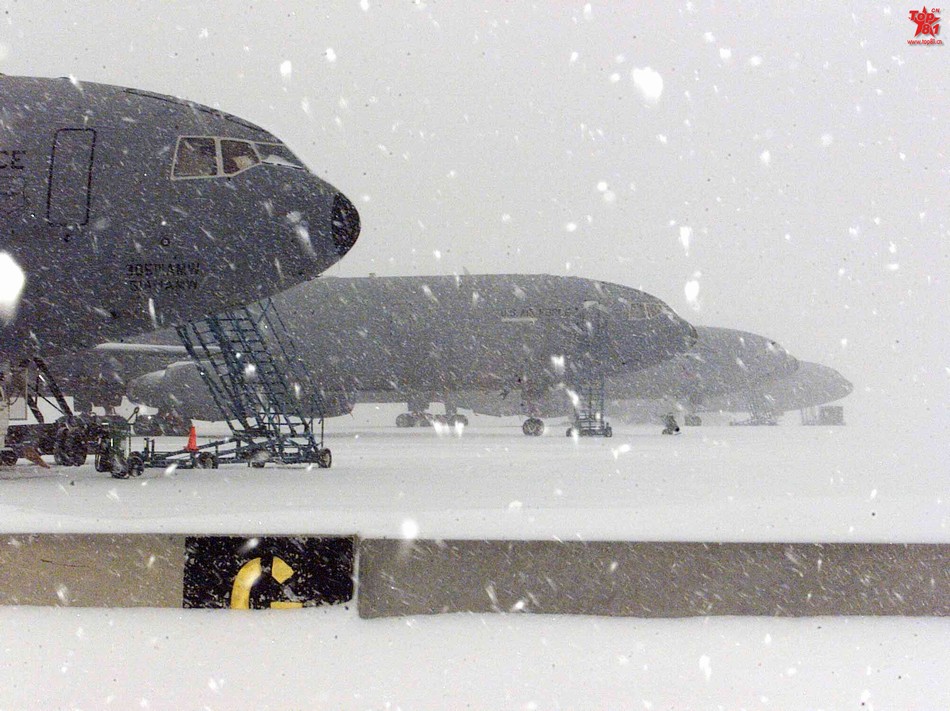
(589,408)
(255,378)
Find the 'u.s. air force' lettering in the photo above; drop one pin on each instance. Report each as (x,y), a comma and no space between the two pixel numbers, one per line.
(12,159)
(536,312)
(164,276)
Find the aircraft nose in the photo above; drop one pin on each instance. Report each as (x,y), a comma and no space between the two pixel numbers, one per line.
(344,224)
(846,385)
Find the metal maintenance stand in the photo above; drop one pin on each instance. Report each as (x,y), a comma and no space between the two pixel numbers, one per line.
(589,417)
(253,373)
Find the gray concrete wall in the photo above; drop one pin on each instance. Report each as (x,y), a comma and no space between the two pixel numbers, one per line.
(92,570)
(142,570)
(398,577)
(652,579)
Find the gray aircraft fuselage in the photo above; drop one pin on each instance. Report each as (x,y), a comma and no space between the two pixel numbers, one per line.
(126,211)
(811,385)
(427,338)
(722,361)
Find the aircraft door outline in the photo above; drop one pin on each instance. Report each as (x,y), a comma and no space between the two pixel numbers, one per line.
(70,176)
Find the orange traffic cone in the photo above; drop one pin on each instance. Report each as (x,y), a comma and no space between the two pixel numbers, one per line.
(192,445)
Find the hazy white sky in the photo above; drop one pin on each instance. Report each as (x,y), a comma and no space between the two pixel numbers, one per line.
(784,165)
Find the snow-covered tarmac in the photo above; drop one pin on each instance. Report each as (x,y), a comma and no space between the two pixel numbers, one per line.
(716,483)
(786,483)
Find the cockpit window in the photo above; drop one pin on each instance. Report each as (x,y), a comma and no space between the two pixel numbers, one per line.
(237,156)
(277,154)
(195,158)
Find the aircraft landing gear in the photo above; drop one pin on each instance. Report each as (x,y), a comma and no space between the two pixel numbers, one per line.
(692,421)
(450,420)
(452,416)
(418,415)
(671,427)
(533,427)
(414,419)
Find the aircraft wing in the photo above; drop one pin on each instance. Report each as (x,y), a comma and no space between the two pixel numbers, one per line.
(154,349)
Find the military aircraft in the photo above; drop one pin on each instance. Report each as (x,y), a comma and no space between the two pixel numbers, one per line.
(122,211)
(810,386)
(424,339)
(722,361)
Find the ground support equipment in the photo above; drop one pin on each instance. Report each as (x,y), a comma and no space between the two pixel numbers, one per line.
(589,417)
(255,378)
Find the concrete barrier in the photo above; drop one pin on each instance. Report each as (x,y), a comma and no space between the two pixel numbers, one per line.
(397,577)
(92,570)
(142,570)
(652,579)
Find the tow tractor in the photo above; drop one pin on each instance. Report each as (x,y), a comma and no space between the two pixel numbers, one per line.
(114,447)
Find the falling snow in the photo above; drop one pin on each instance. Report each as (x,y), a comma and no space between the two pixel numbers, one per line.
(649,83)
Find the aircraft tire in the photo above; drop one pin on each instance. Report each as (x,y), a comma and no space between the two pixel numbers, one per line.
(136,465)
(257,458)
(70,447)
(102,463)
(533,427)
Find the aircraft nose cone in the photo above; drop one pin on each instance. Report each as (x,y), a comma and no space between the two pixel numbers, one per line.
(846,386)
(345,224)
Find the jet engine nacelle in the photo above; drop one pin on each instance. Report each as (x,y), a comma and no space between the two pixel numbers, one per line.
(336,404)
(179,388)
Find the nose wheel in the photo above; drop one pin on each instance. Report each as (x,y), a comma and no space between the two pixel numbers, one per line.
(533,427)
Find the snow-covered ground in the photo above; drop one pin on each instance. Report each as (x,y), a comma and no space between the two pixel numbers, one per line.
(330,659)
(786,483)
(717,483)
